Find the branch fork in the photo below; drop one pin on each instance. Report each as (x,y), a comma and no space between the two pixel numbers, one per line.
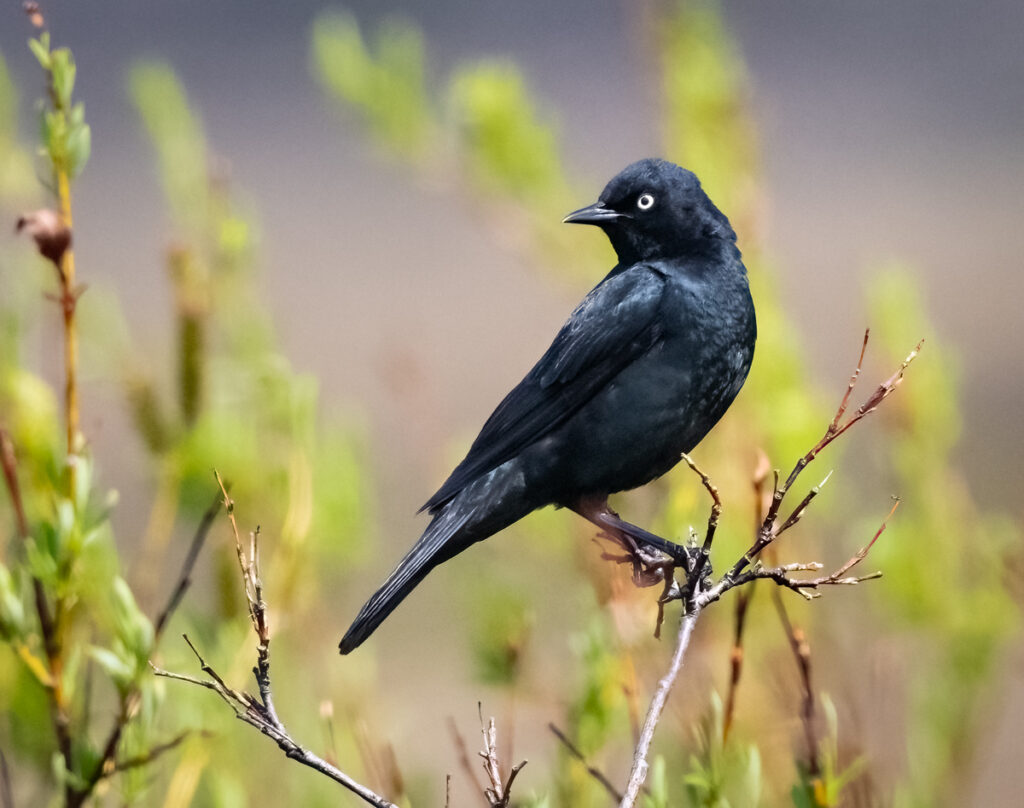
(699,589)
(258,711)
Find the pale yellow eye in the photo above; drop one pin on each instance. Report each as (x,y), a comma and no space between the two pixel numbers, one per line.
(645,202)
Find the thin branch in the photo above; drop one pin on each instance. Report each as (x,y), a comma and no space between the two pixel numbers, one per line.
(498,793)
(736,658)
(259,711)
(638,772)
(594,772)
(152,754)
(6,789)
(716,510)
(802,654)
(834,426)
(698,593)
(464,762)
(768,531)
(185,576)
(10,465)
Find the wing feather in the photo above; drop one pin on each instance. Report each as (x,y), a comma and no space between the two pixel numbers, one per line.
(616,323)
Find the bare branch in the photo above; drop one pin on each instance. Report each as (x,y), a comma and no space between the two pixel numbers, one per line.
(700,591)
(768,531)
(185,576)
(152,754)
(834,426)
(464,761)
(10,465)
(638,772)
(6,789)
(736,658)
(802,654)
(716,510)
(594,772)
(498,793)
(259,711)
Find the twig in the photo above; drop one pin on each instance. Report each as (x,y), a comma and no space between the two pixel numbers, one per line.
(6,789)
(447,791)
(716,510)
(638,773)
(736,658)
(10,465)
(185,576)
(498,793)
(768,531)
(761,505)
(802,654)
(698,593)
(259,711)
(594,772)
(464,762)
(152,754)
(378,761)
(129,703)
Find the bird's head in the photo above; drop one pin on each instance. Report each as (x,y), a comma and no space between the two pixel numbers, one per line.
(655,209)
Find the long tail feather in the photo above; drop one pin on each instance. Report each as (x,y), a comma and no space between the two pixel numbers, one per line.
(438,543)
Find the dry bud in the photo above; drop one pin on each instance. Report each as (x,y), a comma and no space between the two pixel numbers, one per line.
(35,14)
(51,235)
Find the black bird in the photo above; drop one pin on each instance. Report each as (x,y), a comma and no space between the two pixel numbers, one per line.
(643,369)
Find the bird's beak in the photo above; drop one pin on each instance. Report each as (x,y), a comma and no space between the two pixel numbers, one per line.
(593,214)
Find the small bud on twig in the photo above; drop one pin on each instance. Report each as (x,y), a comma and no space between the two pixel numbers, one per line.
(51,235)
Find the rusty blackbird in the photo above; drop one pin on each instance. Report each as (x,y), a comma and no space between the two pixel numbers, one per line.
(645,366)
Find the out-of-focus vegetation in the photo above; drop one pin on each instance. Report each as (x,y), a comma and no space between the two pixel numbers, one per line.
(938,625)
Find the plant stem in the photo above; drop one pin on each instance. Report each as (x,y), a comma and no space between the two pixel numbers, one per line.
(69,300)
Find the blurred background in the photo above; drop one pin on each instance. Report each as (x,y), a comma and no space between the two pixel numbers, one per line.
(357,210)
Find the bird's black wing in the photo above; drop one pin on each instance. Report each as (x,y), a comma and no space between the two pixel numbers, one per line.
(616,323)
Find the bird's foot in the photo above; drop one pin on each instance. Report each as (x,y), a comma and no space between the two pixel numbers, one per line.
(649,569)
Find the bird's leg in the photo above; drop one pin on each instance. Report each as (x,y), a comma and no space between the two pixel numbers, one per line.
(648,568)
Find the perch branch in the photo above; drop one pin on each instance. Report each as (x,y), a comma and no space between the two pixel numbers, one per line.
(638,773)
(700,590)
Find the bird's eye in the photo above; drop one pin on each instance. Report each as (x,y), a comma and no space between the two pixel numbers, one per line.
(645,202)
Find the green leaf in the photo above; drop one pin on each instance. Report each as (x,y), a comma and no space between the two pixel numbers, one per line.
(41,48)
(120,671)
(133,628)
(62,71)
(12,611)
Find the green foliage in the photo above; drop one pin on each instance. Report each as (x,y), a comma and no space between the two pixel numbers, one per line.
(16,180)
(386,82)
(177,137)
(948,565)
(502,620)
(721,774)
(823,787)
(491,133)
(704,91)
(65,136)
(510,149)
(236,403)
(239,406)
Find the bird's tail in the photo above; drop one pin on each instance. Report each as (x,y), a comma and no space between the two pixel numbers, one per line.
(439,542)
